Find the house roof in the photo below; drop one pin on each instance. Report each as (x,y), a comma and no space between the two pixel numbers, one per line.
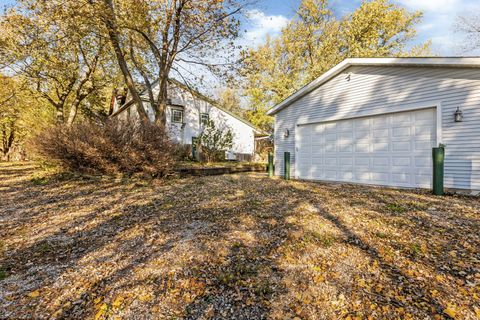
(460,62)
(196,94)
(215,104)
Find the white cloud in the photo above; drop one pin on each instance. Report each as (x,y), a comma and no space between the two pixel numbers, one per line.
(260,25)
(432,5)
(438,23)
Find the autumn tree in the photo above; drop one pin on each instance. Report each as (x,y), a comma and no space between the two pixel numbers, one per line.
(152,39)
(20,115)
(64,62)
(229,99)
(315,41)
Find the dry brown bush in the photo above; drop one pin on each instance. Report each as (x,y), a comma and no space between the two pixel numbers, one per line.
(109,147)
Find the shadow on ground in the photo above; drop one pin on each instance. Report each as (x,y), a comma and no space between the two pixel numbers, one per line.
(240,246)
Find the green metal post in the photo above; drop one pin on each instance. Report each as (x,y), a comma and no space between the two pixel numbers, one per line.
(270,164)
(287,165)
(438,155)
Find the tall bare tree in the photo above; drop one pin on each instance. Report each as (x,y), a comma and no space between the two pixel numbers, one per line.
(152,39)
(470,26)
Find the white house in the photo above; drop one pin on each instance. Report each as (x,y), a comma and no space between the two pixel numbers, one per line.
(186,114)
(375,121)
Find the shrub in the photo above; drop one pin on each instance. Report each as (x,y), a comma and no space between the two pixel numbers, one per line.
(215,141)
(109,147)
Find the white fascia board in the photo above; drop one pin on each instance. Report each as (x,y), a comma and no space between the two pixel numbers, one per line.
(465,62)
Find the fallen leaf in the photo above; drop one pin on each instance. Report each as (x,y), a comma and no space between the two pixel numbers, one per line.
(34,294)
(450,312)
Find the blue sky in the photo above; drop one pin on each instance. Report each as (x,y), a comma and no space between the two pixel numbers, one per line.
(440,16)
(438,24)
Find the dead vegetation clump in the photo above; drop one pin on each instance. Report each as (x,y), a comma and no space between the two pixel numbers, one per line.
(110,147)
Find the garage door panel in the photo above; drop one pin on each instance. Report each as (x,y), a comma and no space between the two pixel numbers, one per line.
(331,137)
(331,161)
(391,149)
(346,125)
(318,152)
(363,140)
(316,143)
(423,162)
(345,147)
(362,147)
(422,180)
(401,132)
(380,146)
(362,176)
(304,131)
(401,146)
(362,124)
(345,175)
(318,128)
(318,161)
(330,128)
(331,146)
(404,118)
(362,161)
(380,177)
(330,174)
(425,114)
(381,161)
(380,133)
(362,136)
(425,132)
(380,122)
(423,145)
(403,178)
(345,161)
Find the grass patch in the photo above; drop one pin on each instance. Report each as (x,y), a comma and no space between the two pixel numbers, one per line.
(395,208)
(44,248)
(415,249)
(40,180)
(381,235)
(3,273)
(324,239)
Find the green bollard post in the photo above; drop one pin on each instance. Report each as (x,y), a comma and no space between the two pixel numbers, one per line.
(270,164)
(287,165)
(438,155)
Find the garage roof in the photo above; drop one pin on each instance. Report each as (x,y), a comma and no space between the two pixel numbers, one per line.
(461,62)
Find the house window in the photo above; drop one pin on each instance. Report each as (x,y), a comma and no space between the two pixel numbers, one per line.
(177,116)
(204,118)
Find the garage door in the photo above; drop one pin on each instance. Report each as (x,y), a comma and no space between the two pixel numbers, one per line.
(391,149)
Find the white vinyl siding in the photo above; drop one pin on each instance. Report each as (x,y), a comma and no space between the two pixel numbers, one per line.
(188,125)
(378,89)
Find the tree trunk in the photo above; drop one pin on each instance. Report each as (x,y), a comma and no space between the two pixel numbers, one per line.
(73,113)
(7,141)
(110,23)
(161,109)
(59,118)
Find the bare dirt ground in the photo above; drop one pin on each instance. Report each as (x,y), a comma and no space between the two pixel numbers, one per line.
(232,247)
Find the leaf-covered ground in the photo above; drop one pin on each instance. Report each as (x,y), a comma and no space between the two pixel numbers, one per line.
(232,247)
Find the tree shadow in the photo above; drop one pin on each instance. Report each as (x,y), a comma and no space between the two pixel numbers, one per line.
(204,247)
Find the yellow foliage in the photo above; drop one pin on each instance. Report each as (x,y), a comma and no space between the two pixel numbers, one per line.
(314,41)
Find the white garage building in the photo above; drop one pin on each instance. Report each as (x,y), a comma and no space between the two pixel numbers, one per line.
(375,121)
